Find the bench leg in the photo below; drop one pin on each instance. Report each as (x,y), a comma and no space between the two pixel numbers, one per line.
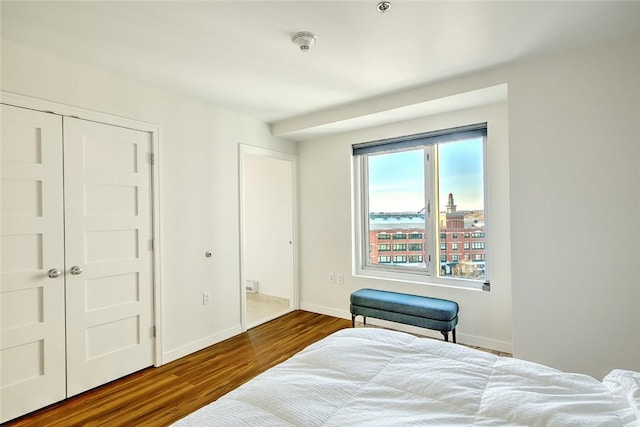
(364,320)
(446,335)
(353,320)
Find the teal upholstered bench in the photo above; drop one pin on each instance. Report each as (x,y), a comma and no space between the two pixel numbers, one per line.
(431,313)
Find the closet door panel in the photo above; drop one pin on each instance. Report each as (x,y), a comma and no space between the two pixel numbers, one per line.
(32,322)
(108,236)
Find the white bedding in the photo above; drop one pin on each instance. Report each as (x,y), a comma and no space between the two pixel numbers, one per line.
(377,377)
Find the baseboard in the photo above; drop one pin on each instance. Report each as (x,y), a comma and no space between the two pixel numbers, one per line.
(328,311)
(192,347)
(461,337)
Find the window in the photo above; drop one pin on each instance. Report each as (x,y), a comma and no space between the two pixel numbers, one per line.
(384,247)
(384,259)
(428,187)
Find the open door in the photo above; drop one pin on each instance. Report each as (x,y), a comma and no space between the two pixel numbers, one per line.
(268,245)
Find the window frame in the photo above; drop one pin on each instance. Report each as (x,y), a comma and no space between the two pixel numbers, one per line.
(432,252)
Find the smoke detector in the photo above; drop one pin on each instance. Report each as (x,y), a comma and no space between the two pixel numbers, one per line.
(304,40)
(383,6)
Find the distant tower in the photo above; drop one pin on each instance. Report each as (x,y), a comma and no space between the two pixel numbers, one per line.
(455,219)
(451,208)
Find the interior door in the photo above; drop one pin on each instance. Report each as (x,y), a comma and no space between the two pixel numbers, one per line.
(108,226)
(268,234)
(32,342)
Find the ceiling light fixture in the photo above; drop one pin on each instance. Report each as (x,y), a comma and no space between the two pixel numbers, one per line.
(304,40)
(383,6)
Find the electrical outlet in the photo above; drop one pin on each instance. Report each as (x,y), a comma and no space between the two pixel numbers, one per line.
(206,298)
(332,278)
(339,278)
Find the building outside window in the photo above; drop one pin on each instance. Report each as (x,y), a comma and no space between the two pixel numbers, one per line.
(384,259)
(397,199)
(384,247)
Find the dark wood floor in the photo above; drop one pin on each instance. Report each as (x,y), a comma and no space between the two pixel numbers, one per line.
(160,396)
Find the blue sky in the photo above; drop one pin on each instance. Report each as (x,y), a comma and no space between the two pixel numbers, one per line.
(396,180)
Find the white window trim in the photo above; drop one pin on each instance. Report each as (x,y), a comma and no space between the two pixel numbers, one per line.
(432,249)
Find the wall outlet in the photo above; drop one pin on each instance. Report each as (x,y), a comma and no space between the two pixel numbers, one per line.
(206,298)
(332,278)
(339,278)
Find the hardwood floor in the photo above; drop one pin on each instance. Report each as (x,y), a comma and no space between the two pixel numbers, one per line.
(160,396)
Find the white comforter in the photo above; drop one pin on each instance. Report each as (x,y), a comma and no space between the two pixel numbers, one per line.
(377,377)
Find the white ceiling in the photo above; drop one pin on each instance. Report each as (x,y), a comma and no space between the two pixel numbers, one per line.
(238,55)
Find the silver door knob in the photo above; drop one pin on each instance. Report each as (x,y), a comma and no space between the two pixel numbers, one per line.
(75,270)
(53,273)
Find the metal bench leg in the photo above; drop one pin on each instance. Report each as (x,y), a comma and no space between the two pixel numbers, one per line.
(445,335)
(454,335)
(364,320)
(353,320)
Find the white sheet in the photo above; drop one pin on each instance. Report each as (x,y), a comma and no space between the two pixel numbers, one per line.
(377,377)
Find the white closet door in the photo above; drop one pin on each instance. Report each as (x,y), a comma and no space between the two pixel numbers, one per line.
(32,343)
(108,236)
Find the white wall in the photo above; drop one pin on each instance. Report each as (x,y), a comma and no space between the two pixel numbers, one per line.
(326,229)
(572,161)
(268,220)
(575,204)
(198,162)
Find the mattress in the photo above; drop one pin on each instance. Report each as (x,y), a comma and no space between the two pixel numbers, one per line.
(377,377)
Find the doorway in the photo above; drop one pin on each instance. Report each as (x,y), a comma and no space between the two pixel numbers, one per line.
(268,235)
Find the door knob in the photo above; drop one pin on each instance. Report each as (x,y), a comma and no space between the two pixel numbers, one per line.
(75,270)
(53,273)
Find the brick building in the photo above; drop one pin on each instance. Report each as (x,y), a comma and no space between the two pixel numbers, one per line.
(398,238)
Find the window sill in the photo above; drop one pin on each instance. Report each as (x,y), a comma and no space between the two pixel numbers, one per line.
(471,285)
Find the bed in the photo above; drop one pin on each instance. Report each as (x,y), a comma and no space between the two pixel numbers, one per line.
(377,377)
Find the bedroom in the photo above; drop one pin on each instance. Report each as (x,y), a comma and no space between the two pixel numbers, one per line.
(569,157)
